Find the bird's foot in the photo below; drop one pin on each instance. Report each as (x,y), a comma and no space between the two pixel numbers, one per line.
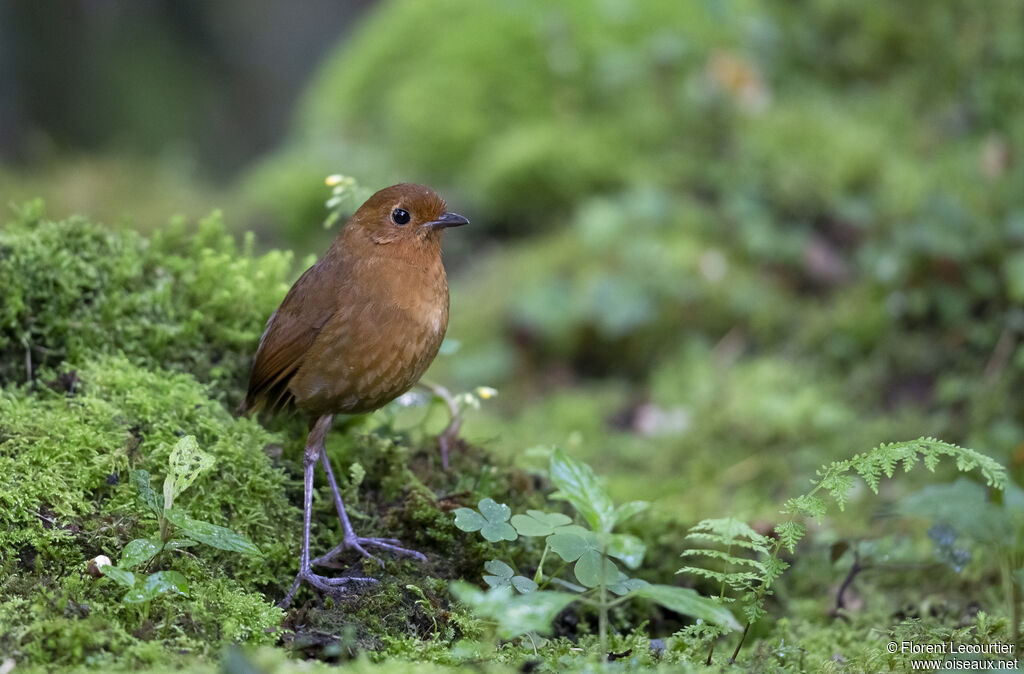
(357,543)
(325,584)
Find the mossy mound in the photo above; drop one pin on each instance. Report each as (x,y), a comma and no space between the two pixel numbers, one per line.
(136,343)
(180,301)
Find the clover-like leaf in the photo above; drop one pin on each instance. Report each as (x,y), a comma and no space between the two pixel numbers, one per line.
(523,584)
(586,549)
(539,523)
(503,575)
(491,521)
(568,546)
(494,511)
(593,568)
(577,484)
(468,519)
(138,551)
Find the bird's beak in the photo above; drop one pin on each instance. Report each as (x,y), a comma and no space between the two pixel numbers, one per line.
(447,220)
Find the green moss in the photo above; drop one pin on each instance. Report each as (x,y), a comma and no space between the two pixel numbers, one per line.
(189,302)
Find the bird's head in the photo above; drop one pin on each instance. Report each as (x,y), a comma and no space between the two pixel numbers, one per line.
(407,214)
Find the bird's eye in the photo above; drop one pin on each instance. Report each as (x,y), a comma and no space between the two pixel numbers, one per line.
(400,216)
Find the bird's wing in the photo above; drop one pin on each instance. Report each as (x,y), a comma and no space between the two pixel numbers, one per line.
(290,331)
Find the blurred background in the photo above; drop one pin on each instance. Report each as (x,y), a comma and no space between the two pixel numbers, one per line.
(715,244)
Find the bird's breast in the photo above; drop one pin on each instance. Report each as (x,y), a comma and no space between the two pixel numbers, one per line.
(376,346)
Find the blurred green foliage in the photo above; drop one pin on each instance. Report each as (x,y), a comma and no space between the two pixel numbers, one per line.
(822,184)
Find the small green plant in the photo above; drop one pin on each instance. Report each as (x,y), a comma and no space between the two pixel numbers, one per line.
(749,581)
(176,530)
(520,604)
(346,196)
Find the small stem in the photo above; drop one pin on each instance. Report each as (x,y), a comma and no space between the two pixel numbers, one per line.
(164,533)
(1013,595)
(855,569)
(554,575)
(711,651)
(603,624)
(539,576)
(621,600)
(736,652)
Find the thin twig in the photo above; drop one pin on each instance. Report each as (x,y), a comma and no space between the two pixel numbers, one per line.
(855,569)
(736,652)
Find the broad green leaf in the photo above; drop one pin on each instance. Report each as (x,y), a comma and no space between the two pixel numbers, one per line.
(138,551)
(118,575)
(628,548)
(593,568)
(186,463)
(568,546)
(539,523)
(221,538)
(577,484)
(140,480)
(627,510)
(157,584)
(515,614)
(179,543)
(686,601)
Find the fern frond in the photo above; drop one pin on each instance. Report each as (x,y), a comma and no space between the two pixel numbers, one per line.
(725,557)
(790,532)
(753,579)
(756,546)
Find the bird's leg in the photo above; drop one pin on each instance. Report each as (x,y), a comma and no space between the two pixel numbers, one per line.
(351,541)
(314,448)
(451,432)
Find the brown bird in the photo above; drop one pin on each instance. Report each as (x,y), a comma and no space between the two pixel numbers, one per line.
(356,330)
